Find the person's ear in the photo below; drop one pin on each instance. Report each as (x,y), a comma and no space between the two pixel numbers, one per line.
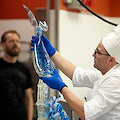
(3,46)
(112,60)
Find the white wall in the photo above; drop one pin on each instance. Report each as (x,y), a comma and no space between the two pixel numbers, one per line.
(21,25)
(79,35)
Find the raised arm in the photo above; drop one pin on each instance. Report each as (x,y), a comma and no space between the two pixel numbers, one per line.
(63,64)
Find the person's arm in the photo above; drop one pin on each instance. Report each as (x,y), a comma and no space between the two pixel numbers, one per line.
(74,102)
(29,103)
(63,64)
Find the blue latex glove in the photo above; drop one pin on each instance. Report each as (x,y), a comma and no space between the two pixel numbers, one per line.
(50,49)
(54,82)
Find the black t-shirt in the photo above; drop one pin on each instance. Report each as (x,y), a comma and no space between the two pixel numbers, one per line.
(14,79)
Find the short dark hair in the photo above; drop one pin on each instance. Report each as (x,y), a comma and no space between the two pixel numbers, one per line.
(3,37)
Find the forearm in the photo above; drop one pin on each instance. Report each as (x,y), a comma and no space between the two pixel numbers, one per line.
(64,65)
(29,104)
(74,102)
(29,108)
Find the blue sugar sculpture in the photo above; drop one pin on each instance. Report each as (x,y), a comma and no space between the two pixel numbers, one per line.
(47,109)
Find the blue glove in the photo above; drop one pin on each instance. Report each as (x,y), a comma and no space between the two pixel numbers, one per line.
(50,49)
(54,82)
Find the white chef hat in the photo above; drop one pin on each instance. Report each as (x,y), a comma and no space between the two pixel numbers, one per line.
(112,43)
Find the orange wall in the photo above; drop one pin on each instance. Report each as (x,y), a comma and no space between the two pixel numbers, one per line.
(11,9)
(14,10)
(115,8)
(110,8)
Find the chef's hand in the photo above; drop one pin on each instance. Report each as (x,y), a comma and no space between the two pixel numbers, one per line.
(50,49)
(54,82)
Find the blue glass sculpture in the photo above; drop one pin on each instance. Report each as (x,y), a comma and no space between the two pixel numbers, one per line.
(47,109)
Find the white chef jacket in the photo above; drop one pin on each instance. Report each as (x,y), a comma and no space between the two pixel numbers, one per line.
(103,101)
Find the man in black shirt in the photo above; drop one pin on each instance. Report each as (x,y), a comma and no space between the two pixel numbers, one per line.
(16,100)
